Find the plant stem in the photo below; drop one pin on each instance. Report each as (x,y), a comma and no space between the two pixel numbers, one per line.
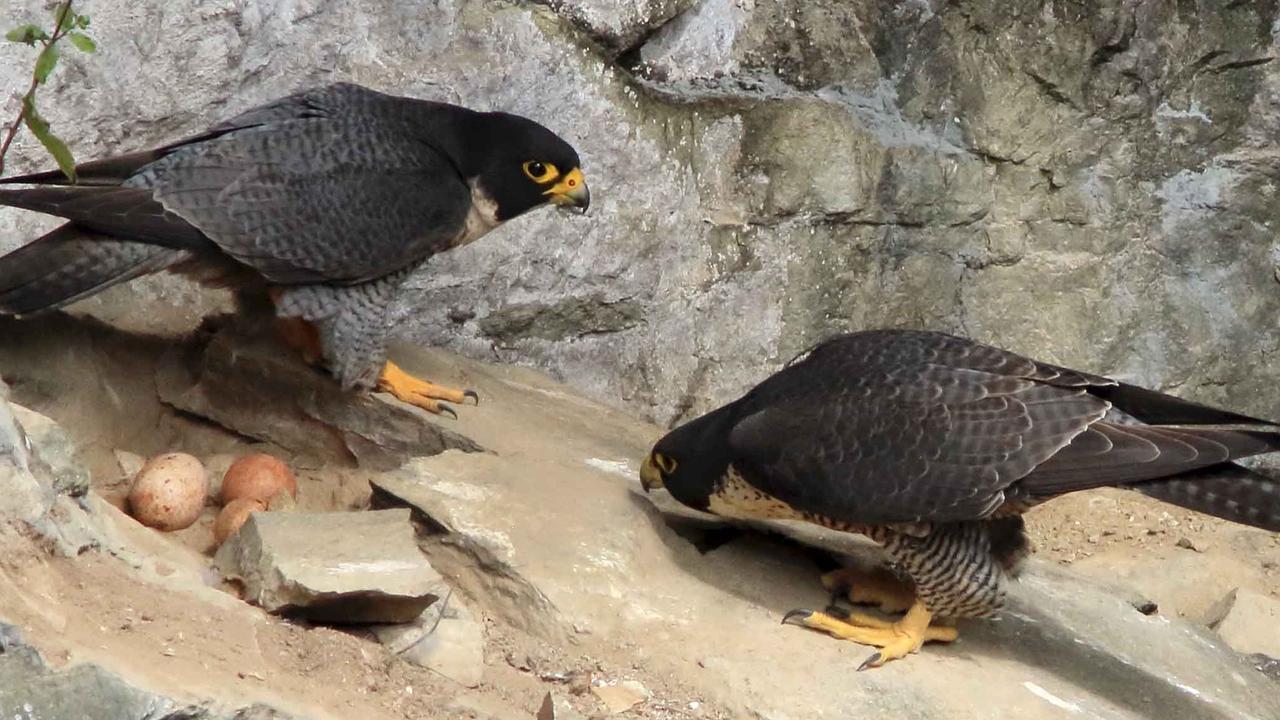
(60,29)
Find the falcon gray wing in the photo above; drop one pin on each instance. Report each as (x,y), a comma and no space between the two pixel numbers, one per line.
(326,186)
(881,428)
(337,184)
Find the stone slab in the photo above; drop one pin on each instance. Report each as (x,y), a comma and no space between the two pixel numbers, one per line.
(336,567)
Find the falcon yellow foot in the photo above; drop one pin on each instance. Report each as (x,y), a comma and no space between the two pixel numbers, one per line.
(895,639)
(879,587)
(423,394)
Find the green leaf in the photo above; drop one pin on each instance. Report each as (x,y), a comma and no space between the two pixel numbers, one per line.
(82,21)
(83,42)
(45,64)
(28,34)
(58,149)
(62,16)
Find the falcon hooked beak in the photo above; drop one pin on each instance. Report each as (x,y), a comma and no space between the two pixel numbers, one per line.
(571,192)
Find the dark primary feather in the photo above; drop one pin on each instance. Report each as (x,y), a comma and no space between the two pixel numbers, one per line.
(70,263)
(124,212)
(888,427)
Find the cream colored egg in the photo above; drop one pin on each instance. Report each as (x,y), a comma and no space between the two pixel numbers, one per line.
(168,492)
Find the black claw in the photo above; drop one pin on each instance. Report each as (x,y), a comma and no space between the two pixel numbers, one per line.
(446,409)
(871,662)
(471,394)
(789,617)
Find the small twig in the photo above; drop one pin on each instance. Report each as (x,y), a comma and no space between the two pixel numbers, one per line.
(17,123)
(60,29)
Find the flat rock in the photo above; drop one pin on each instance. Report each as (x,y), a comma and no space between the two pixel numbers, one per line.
(444,638)
(332,567)
(556,707)
(1182,584)
(246,381)
(621,697)
(1249,622)
(455,649)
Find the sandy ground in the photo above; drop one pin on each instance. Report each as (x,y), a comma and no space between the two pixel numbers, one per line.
(1108,523)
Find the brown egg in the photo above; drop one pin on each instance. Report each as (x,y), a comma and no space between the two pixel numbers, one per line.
(258,476)
(233,516)
(168,492)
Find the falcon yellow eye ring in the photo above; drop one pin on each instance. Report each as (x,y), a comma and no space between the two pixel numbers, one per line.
(540,172)
(664,463)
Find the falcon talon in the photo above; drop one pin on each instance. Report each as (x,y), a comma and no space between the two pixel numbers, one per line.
(875,660)
(473,395)
(789,618)
(443,409)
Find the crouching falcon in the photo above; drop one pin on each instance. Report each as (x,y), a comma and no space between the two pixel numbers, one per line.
(934,446)
(326,200)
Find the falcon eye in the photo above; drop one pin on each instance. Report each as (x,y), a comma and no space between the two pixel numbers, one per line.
(664,463)
(541,173)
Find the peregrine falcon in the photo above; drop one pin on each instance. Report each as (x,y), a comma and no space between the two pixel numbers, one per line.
(325,200)
(933,446)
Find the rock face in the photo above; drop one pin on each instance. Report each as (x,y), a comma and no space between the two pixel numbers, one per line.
(1091,183)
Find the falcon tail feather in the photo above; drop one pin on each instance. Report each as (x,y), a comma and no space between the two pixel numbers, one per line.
(96,173)
(127,213)
(1228,491)
(71,263)
(1192,466)
(1157,408)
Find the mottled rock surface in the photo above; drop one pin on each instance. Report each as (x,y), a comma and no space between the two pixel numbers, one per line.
(1091,183)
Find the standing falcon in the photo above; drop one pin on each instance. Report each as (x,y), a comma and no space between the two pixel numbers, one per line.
(326,200)
(933,446)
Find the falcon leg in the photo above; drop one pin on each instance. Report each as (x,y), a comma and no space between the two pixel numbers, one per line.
(895,639)
(870,587)
(421,393)
(303,337)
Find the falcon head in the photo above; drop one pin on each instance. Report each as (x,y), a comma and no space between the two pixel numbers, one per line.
(691,460)
(521,165)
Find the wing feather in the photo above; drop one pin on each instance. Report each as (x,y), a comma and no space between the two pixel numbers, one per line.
(889,427)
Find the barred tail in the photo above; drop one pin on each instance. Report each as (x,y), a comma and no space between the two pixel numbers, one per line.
(1228,491)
